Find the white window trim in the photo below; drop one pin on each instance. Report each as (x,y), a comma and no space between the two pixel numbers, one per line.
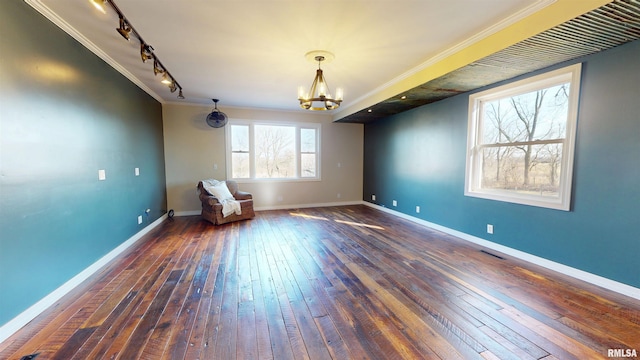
(251,124)
(474,162)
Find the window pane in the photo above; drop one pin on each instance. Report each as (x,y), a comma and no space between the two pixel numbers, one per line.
(275,151)
(533,170)
(240,138)
(537,115)
(308,140)
(308,164)
(521,140)
(240,165)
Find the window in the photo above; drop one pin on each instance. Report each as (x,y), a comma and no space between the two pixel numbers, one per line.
(521,140)
(258,150)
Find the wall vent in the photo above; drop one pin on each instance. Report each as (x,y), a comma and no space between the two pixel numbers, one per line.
(491,254)
(30,356)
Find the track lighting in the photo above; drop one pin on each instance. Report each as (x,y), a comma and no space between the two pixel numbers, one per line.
(146,52)
(166,79)
(156,67)
(100,5)
(125,29)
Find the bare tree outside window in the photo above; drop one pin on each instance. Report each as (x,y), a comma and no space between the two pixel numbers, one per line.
(308,156)
(521,138)
(275,151)
(240,152)
(265,150)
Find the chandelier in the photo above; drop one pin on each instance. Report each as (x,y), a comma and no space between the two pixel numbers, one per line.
(319,96)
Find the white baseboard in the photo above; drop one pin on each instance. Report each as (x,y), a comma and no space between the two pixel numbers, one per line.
(603,282)
(282,207)
(188,213)
(302,206)
(36,309)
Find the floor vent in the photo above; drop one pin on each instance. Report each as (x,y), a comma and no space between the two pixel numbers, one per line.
(30,356)
(494,255)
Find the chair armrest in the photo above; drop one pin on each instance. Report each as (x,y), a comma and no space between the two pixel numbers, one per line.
(242,195)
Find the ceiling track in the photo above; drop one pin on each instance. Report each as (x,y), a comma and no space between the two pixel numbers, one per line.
(608,26)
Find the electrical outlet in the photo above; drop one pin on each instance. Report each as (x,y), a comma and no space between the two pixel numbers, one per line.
(489,229)
(102,175)
(373,197)
(339,195)
(418,209)
(395,203)
(136,171)
(139,219)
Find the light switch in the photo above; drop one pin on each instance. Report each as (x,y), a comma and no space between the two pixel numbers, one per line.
(136,171)
(102,175)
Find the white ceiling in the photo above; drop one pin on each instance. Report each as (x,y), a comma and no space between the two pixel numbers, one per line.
(252,53)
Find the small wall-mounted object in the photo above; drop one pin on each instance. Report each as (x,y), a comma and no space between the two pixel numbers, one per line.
(102,175)
(136,171)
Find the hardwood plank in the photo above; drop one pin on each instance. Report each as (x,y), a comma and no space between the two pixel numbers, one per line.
(199,331)
(149,320)
(280,345)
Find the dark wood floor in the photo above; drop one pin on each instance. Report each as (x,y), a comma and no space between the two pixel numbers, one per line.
(340,282)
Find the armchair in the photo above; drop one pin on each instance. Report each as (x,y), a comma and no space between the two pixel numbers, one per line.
(212,207)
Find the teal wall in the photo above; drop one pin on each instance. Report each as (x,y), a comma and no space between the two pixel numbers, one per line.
(418,158)
(65,114)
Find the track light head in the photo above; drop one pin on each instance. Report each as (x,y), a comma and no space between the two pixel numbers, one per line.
(156,68)
(124,28)
(167,80)
(146,52)
(100,5)
(180,96)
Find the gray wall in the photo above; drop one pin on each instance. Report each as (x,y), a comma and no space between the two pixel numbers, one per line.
(65,114)
(418,159)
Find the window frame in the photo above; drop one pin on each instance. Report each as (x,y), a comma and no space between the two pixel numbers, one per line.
(475,145)
(252,163)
